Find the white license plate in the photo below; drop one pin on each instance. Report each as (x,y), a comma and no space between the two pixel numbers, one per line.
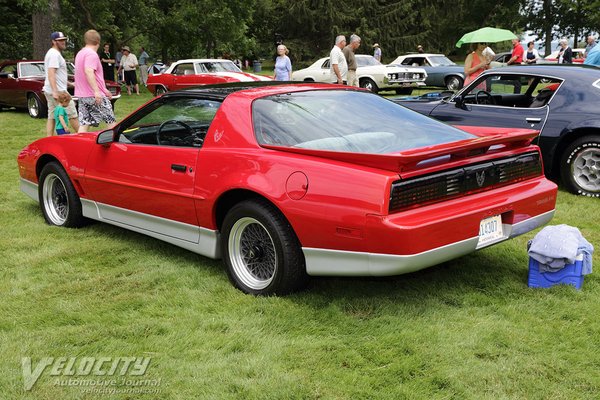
(490,230)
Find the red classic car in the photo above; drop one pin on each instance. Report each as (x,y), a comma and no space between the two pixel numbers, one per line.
(283,182)
(187,73)
(22,81)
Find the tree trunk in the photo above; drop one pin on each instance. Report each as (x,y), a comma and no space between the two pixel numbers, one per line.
(548,29)
(42,28)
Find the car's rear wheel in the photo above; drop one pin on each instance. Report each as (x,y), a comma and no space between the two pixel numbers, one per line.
(454,83)
(580,167)
(160,90)
(58,198)
(309,80)
(261,251)
(369,84)
(35,106)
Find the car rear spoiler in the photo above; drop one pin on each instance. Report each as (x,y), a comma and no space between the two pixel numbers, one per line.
(505,138)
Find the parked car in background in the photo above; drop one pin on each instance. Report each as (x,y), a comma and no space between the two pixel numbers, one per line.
(553,57)
(441,71)
(286,181)
(560,101)
(22,81)
(184,74)
(372,75)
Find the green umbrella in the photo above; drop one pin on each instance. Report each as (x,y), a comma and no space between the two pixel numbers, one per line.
(486,35)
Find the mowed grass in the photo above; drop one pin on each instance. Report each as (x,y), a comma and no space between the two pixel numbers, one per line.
(466,329)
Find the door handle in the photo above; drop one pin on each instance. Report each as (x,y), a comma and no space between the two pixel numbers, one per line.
(533,120)
(178,167)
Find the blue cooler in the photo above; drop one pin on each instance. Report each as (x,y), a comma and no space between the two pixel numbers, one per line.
(571,274)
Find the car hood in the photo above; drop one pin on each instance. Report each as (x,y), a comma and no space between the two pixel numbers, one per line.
(389,69)
(242,76)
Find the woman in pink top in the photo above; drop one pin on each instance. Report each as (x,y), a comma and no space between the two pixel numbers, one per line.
(476,63)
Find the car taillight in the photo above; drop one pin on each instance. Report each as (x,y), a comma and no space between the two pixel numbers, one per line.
(470,179)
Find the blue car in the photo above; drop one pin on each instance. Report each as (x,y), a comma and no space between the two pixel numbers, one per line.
(441,71)
(561,101)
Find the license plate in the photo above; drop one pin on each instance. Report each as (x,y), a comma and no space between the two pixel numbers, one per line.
(490,230)
(405,84)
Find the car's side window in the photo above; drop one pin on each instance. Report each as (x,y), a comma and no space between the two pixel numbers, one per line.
(9,69)
(172,122)
(325,65)
(184,69)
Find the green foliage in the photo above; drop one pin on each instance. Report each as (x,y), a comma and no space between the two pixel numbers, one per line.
(16,30)
(174,29)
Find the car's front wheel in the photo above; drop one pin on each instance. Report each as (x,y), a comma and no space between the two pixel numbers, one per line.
(261,251)
(58,198)
(35,107)
(369,84)
(160,90)
(580,167)
(454,83)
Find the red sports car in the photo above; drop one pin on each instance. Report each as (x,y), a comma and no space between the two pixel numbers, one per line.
(184,74)
(288,181)
(22,81)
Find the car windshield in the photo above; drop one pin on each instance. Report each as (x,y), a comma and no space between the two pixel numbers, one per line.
(32,69)
(440,61)
(348,121)
(366,61)
(221,66)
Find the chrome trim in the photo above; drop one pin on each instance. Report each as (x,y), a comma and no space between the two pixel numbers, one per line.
(349,263)
(190,237)
(596,84)
(29,188)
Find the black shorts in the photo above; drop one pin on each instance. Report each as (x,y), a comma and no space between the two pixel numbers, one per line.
(130,78)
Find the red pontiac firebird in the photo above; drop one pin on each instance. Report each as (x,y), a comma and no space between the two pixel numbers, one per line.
(184,74)
(288,181)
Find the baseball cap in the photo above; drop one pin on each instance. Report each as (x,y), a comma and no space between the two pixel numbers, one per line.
(58,36)
(125,48)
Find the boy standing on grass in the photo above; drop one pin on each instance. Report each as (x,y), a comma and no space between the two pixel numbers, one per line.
(60,113)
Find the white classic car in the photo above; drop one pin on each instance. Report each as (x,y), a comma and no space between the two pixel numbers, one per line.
(371,73)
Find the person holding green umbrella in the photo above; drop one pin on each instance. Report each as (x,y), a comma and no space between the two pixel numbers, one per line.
(475,63)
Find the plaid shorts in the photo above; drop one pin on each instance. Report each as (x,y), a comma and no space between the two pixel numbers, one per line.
(91,113)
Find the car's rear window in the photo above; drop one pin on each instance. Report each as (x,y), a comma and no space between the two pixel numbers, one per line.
(349,121)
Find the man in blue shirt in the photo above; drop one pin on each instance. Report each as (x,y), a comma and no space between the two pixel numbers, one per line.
(593,58)
(142,60)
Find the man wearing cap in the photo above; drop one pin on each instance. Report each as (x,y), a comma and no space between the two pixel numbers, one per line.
(129,63)
(377,53)
(94,97)
(56,81)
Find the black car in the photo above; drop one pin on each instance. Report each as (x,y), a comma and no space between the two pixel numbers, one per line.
(561,101)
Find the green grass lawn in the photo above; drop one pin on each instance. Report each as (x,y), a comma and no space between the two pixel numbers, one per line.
(466,329)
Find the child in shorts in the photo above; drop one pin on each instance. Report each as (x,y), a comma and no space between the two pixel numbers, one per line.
(60,114)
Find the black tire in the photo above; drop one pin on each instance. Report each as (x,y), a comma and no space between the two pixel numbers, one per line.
(36,107)
(454,82)
(59,201)
(369,84)
(309,80)
(580,166)
(261,251)
(160,90)
(404,91)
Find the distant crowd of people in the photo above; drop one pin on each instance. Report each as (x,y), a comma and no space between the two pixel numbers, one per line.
(342,62)
(92,69)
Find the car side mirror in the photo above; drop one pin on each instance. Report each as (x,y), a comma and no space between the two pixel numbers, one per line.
(459,102)
(106,137)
